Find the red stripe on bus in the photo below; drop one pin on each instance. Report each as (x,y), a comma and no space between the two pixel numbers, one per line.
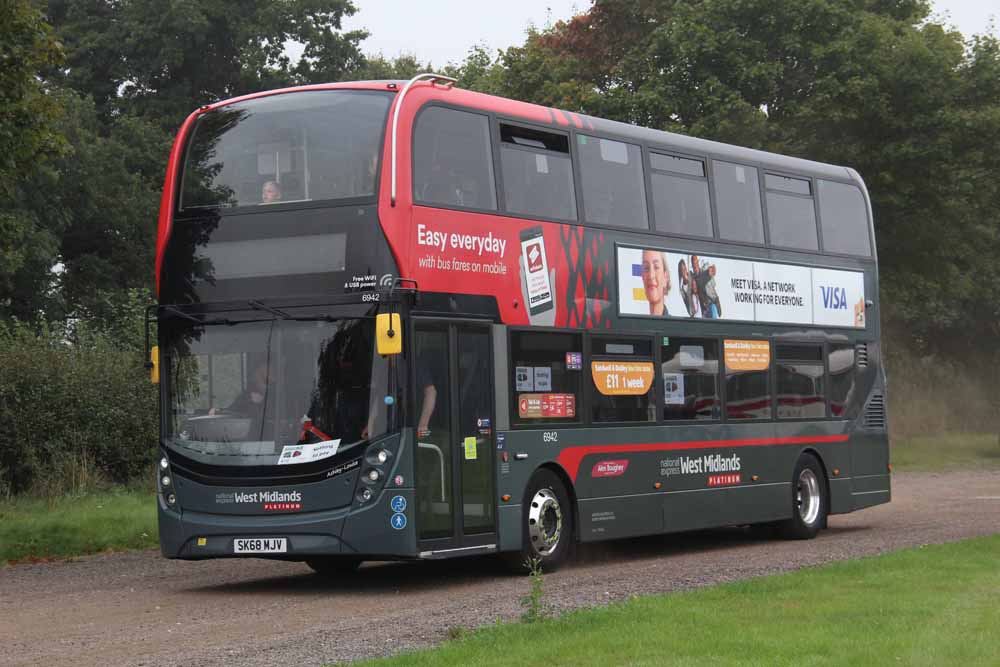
(571,457)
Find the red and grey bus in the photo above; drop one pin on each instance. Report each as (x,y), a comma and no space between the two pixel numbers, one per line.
(401,320)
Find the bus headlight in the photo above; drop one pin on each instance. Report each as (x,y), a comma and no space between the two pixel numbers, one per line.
(171,499)
(365,495)
(165,480)
(373,475)
(164,464)
(382,456)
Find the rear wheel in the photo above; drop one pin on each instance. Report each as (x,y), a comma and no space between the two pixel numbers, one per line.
(809,500)
(331,566)
(547,516)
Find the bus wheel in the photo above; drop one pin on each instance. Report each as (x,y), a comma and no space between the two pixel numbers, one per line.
(547,536)
(809,501)
(329,566)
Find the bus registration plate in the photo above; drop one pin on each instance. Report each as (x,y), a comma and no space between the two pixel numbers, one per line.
(260,545)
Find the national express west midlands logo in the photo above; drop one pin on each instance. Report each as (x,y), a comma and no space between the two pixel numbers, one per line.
(696,465)
(271,501)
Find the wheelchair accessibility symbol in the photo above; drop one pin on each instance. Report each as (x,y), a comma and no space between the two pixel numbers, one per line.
(398,504)
(398,521)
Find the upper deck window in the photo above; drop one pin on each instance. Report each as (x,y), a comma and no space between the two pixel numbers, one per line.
(680,195)
(613,188)
(844,219)
(301,146)
(737,197)
(537,173)
(791,213)
(452,161)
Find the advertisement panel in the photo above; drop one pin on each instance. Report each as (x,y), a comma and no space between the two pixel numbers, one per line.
(660,283)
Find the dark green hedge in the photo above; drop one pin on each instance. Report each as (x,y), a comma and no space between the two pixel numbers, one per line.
(76,409)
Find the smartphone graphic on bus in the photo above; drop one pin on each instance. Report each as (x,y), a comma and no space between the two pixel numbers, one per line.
(536,271)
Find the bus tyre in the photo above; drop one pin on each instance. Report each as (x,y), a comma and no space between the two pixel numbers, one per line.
(547,518)
(809,500)
(331,566)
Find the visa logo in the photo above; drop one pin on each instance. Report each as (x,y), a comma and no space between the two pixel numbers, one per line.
(834,298)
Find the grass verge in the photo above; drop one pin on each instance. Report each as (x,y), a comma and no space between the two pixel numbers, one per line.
(76,524)
(933,605)
(946,452)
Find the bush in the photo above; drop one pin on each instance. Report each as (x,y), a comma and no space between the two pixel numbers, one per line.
(931,394)
(77,409)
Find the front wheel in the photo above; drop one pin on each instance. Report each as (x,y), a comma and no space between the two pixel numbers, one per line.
(809,500)
(547,516)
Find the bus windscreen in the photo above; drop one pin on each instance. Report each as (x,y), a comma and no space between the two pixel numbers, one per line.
(244,394)
(319,145)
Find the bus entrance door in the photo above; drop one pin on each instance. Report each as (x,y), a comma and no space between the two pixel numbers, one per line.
(453,406)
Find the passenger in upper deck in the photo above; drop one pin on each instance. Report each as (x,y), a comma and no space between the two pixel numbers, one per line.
(270,193)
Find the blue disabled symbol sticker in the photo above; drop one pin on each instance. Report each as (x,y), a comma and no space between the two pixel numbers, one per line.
(398,504)
(398,521)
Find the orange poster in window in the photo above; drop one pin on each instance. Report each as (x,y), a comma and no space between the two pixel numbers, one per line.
(747,355)
(622,378)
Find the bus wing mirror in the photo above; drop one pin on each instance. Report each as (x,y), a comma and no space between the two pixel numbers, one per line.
(154,364)
(388,334)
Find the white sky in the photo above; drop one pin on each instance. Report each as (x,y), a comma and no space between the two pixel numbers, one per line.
(442,31)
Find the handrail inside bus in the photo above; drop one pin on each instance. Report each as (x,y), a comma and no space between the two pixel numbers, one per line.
(436,449)
(426,76)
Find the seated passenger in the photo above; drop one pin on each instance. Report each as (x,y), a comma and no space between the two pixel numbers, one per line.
(270,193)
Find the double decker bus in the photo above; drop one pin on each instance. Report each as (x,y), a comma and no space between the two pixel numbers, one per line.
(400,320)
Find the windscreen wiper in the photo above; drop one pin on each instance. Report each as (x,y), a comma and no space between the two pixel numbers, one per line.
(174,310)
(280,314)
(257,305)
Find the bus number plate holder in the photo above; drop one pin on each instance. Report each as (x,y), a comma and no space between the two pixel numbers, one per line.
(260,545)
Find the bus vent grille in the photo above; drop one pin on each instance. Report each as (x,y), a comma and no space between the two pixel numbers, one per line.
(875,412)
(861,351)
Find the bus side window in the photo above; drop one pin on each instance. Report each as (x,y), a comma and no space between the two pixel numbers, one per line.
(690,371)
(452,160)
(791,212)
(843,219)
(546,377)
(748,374)
(613,189)
(737,198)
(800,379)
(537,173)
(622,375)
(842,380)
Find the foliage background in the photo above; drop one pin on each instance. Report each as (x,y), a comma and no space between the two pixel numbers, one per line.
(91,92)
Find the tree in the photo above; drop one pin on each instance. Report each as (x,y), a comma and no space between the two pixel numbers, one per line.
(160,60)
(27,143)
(864,83)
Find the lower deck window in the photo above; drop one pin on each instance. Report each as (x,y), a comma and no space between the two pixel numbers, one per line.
(800,382)
(748,391)
(690,372)
(622,376)
(547,369)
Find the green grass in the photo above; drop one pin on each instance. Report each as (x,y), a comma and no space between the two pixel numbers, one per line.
(934,605)
(76,524)
(939,453)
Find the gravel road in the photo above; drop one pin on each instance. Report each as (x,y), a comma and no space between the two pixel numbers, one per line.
(139,609)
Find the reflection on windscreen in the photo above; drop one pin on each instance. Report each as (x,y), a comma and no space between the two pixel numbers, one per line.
(285,148)
(248,390)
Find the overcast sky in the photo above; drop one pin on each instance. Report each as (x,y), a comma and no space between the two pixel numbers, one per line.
(442,31)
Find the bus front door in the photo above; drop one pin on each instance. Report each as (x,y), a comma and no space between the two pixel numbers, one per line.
(453,408)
